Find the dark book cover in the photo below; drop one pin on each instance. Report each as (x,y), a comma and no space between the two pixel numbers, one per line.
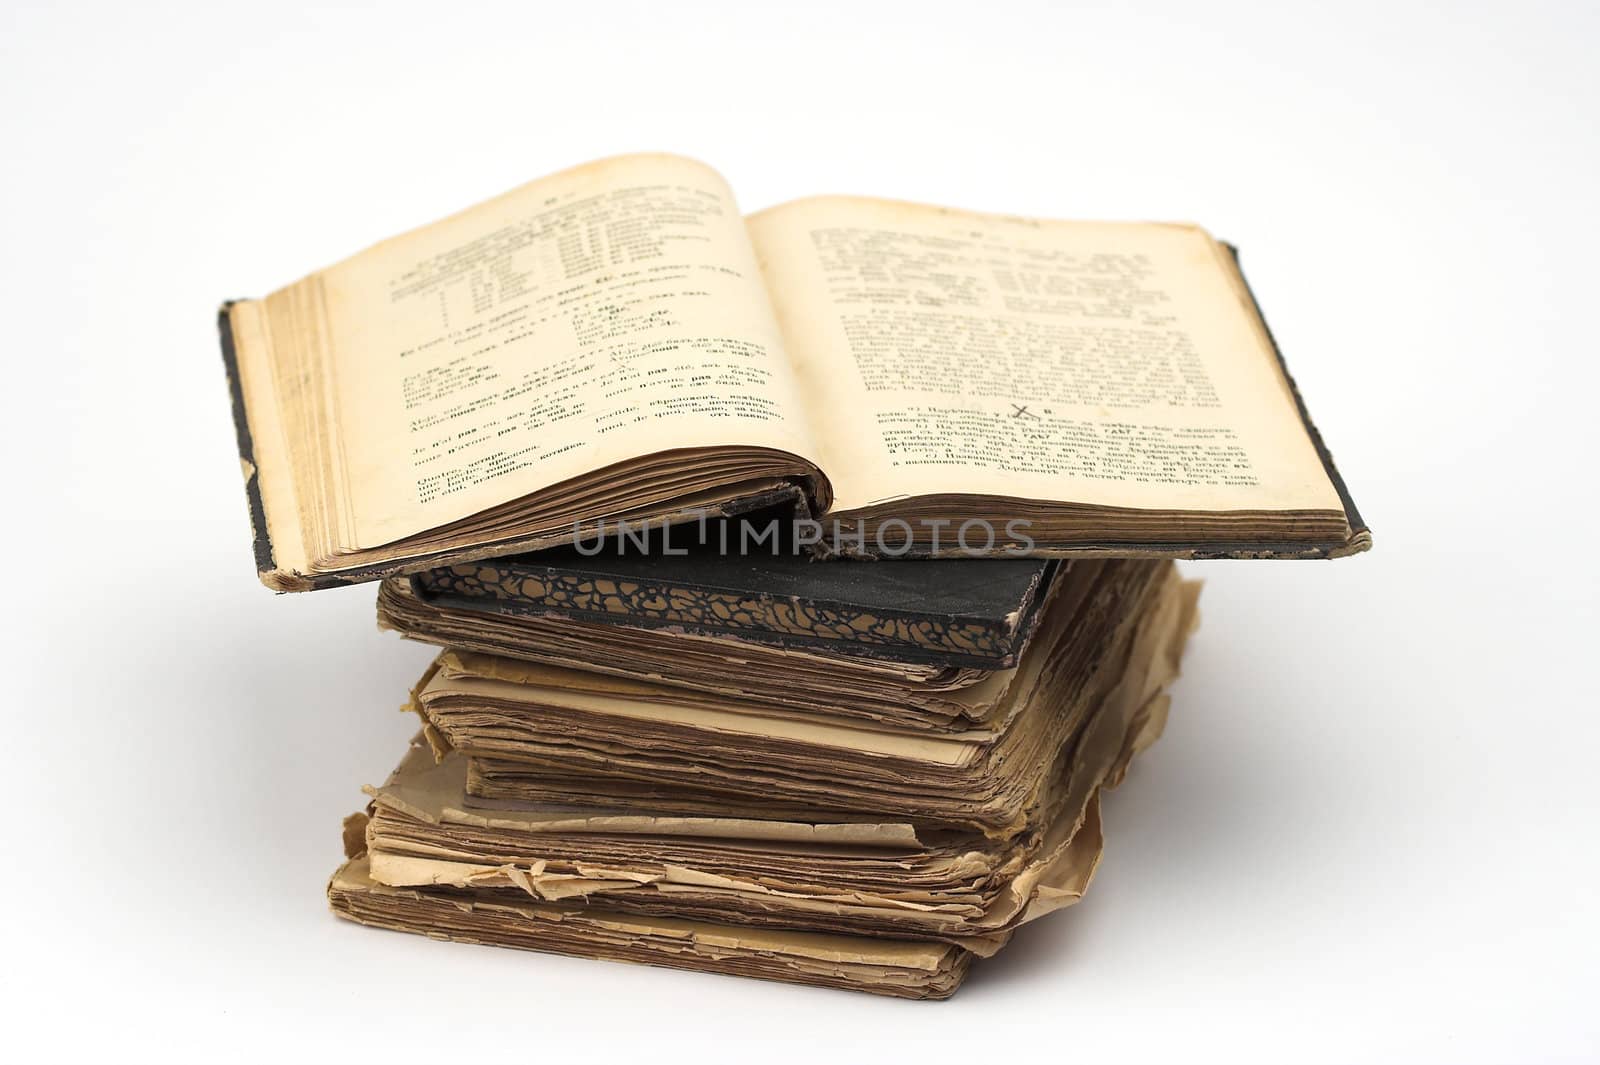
(975,613)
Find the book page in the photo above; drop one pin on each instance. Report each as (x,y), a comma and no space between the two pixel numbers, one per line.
(1108,364)
(602,314)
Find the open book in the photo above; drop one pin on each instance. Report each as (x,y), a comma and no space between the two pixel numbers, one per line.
(617,343)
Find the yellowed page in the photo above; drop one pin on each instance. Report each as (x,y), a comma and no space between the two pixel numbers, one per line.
(630,700)
(434,790)
(1109,364)
(584,319)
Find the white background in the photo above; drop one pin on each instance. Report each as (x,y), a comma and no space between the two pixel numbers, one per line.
(1370,832)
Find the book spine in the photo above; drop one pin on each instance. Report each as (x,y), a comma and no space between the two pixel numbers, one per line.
(1360,536)
(247,451)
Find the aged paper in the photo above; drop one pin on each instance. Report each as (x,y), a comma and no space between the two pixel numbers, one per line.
(599,315)
(1108,364)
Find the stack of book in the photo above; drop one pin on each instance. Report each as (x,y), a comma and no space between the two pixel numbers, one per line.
(779,761)
(861,786)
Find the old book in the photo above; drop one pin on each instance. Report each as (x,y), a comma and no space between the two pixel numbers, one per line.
(533,733)
(912,695)
(900,968)
(880,878)
(935,612)
(894,642)
(617,343)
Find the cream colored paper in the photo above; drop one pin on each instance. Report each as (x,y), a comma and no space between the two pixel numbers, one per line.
(947,351)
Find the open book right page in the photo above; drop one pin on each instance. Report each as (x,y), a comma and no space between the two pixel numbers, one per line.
(1093,364)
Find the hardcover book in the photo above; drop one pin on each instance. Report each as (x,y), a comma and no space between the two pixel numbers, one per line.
(931,691)
(616,343)
(537,733)
(944,613)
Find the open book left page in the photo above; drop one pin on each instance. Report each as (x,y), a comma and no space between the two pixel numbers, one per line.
(596,344)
